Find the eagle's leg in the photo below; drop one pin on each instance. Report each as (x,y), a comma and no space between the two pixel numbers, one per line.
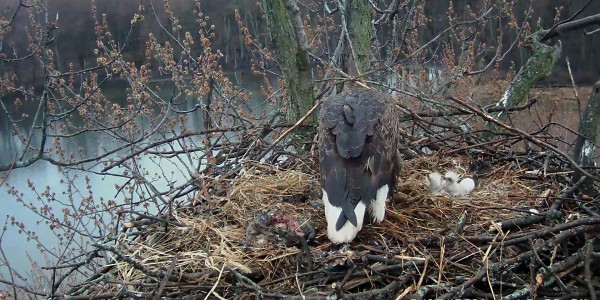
(348,232)
(377,206)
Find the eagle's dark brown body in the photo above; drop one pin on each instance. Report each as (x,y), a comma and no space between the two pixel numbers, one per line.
(357,151)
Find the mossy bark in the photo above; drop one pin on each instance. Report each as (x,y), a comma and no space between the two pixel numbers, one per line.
(585,147)
(358,18)
(539,66)
(287,33)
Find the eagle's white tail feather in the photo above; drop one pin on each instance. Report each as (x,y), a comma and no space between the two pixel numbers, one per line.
(348,231)
(377,206)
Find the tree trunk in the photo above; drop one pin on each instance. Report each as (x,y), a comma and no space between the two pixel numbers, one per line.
(585,147)
(291,46)
(538,66)
(358,21)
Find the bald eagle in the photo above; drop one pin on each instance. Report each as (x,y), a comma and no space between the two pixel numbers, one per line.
(358,159)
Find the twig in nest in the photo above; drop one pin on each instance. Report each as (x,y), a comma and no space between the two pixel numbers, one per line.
(212,290)
(550,274)
(460,112)
(164,281)
(512,262)
(586,225)
(283,135)
(338,290)
(274,281)
(521,222)
(125,258)
(73,268)
(462,221)
(307,254)
(546,268)
(145,219)
(586,268)
(384,292)
(550,213)
(527,136)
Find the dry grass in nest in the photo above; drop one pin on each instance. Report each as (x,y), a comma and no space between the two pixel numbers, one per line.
(231,233)
(415,213)
(255,231)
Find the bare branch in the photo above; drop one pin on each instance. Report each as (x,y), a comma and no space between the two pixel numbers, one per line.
(570,26)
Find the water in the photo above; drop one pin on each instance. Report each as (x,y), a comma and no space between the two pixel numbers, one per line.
(162,172)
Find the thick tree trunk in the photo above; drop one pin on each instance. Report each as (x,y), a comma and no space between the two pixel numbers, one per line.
(538,66)
(585,147)
(291,46)
(358,19)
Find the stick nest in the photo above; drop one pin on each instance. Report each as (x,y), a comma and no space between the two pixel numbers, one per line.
(266,237)
(526,231)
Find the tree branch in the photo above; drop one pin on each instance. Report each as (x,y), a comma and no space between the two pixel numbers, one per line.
(570,26)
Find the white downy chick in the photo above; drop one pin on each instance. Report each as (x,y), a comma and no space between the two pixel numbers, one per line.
(453,187)
(434,182)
